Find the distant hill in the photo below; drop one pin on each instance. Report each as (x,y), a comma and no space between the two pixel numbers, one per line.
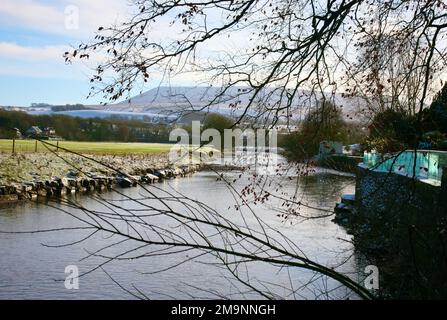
(169,101)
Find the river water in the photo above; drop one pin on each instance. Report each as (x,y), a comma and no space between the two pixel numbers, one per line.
(32,268)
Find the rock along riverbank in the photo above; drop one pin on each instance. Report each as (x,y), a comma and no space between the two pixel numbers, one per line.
(29,176)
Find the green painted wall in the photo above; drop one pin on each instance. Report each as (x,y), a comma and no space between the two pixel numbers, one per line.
(409,162)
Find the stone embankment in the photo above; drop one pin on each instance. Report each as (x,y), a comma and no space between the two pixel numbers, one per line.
(30,176)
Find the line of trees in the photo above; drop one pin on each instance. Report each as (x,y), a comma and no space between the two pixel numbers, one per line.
(324,123)
(80,129)
(391,129)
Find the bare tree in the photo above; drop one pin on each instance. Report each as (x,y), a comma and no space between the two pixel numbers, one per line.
(294,52)
(288,46)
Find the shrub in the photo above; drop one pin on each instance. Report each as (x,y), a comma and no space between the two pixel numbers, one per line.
(392,131)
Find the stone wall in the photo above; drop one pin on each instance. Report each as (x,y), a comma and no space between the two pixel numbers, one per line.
(384,192)
(74,182)
(399,224)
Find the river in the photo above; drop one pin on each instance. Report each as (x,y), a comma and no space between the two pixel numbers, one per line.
(31,269)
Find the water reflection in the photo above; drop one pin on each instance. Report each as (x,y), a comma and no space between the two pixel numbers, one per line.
(32,269)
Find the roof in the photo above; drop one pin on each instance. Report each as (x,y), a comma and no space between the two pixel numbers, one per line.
(34,129)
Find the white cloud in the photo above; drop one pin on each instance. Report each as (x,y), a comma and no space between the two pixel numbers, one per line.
(53,17)
(49,17)
(42,62)
(29,12)
(17,52)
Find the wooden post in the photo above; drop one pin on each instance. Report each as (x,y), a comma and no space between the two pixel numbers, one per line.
(35,147)
(57,146)
(13,145)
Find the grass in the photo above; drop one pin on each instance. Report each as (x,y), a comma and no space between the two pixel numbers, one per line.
(106,148)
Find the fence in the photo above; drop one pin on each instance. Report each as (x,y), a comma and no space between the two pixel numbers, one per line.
(22,146)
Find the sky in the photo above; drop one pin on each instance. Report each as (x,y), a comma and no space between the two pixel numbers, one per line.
(34,34)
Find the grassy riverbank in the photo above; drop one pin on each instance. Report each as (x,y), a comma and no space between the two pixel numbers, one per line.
(27,165)
(131,158)
(101,148)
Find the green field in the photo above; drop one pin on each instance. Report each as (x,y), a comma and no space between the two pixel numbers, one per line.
(111,148)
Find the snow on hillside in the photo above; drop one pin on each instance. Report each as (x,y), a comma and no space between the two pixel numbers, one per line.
(175,100)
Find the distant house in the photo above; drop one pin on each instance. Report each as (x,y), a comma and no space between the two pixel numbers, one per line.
(34,132)
(49,132)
